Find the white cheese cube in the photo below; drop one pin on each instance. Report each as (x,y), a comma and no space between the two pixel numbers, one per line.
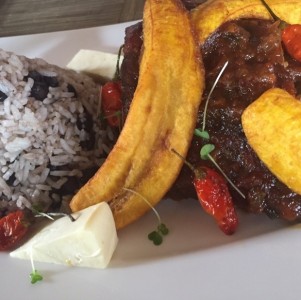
(94,62)
(87,242)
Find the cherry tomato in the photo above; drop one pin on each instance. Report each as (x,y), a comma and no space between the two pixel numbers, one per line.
(291,38)
(111,102)
(12,230)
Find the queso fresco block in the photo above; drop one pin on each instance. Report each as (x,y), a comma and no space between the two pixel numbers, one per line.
(89,241)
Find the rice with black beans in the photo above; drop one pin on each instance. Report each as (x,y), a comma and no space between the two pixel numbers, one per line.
(51,139)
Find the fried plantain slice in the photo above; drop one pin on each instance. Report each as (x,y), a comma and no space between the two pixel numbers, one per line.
(272,126)
(209,16)
(162,116)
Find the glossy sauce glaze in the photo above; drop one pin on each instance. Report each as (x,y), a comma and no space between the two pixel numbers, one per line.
(257,62)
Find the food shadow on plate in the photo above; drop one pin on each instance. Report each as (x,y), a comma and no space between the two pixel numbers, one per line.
(191,231)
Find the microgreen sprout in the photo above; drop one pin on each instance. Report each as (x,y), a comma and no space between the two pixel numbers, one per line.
(205,154)
(117,72)
(210,93)
(206,150)
(35,276)
(201,132)
(155,236)
(51,216)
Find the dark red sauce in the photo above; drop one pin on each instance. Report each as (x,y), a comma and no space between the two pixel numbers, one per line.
(257,62)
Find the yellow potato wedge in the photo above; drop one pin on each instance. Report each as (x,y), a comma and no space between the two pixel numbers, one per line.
(209,16)
(272,125)
(162,116)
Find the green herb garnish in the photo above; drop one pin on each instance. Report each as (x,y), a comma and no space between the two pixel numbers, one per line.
(157,235)
(206,150)
(205,154)
(35,276)
(202,134)
(210,93)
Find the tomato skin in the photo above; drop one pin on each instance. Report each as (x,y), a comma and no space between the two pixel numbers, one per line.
(215,198)
(111,102)
(291,38)
(12,230)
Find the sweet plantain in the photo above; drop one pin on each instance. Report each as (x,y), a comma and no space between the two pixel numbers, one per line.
(209,16)
(162,116)
(272,126)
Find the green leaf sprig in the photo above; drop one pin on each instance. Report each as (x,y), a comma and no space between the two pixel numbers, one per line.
(206,150)
(35,276)
(202,131)
(158,234)
(205,154)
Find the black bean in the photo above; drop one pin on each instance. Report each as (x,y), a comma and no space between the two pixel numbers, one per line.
(89,122)
(36,76)
(3,96)
(39,90)
(10,181)
(71,89)
(41,84)
(51,81)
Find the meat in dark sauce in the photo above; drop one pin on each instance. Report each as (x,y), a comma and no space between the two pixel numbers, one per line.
(257,62)
(130,64)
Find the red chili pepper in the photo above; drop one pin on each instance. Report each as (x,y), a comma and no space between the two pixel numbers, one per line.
(291,38)
(214,196)
(12,230)
(111,102)
(290,35)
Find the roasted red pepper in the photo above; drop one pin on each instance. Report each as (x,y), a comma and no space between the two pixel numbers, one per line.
(291,38)
(214,196)
(12,230)
(111,102)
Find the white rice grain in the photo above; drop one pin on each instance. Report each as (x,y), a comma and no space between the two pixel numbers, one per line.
(66,147)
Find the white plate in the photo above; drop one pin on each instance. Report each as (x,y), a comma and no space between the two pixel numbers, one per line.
(196,261)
